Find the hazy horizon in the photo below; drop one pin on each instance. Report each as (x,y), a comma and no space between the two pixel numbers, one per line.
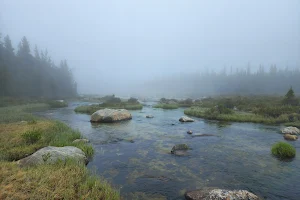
(117,46)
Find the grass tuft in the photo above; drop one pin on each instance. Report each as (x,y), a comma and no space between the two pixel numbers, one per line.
(283,150)
(166,106)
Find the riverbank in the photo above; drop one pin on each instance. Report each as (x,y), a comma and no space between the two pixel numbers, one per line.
(22,134)
(256,109)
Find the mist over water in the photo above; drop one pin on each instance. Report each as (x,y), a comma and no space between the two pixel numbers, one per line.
(124,47)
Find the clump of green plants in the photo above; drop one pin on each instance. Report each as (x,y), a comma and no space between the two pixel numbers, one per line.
(166,106)
(283,150)
(57,104)
(32,136)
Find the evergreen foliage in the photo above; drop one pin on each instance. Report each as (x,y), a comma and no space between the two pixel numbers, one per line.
(25,75)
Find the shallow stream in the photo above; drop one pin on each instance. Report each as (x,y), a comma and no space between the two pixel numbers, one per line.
(135,156)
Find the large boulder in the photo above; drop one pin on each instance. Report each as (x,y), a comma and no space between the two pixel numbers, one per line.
(290,130)
(220,194)
(186,119)
(290,137)
(110,115)
(51,155)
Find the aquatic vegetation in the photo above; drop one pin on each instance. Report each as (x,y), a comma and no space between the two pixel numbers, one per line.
(283,150)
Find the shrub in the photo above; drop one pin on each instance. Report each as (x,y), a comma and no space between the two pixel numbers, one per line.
(283,150)
(133,100)
(33,136)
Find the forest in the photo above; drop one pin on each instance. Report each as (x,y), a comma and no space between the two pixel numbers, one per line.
(271,80)
(23,74)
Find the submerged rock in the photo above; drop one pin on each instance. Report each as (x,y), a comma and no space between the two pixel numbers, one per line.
(220,194)
(110,115)
(81,141)
(179,147)
(149,116)
(202,135)
(290,130)
(189,132)
(186,119)
(51,155)
(290,137)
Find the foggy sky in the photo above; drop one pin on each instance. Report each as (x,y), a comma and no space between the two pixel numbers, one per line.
(112,44)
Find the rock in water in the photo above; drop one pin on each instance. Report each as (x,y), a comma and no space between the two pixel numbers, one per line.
(51,154)
(290,137)
(290,130)
(110,115)
(220,194)
(186,119)
(189,132)
(179,147)
(149,116)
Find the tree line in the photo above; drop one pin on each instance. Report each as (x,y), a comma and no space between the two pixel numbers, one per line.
(23,74)
(240,81)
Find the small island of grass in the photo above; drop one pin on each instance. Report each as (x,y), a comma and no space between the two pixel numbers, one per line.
(257,109)
(283,150)
(173,103)
(112,103)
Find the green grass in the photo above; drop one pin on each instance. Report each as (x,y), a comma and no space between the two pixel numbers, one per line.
(22,134)
(93,108)
(19,140)
(235,116)
(58,181)
(256,109)
(56,104)
(166,106)
(21,112)
(283,150)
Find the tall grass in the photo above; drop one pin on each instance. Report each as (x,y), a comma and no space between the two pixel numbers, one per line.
(58,181)
(20,140)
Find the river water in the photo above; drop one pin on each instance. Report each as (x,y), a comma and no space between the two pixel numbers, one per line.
(134,156)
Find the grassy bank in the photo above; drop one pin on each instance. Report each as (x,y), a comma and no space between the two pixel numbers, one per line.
(22,134)
(58,181)
(256,109)
(93,108)
(166,106)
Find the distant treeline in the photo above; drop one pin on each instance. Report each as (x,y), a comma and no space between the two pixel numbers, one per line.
(270,81)
(25,75)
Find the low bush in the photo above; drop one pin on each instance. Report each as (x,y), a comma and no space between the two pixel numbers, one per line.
(283,150)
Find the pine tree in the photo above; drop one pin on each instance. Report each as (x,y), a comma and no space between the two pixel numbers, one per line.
(24,48)
(8,45)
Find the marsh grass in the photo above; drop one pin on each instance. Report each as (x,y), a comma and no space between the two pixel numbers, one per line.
(256,109)
(166,106)
(18,140)
(21,112)
(58,181)
(93,108)
(283,150)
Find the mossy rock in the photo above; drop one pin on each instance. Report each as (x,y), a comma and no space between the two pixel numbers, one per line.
(283,150)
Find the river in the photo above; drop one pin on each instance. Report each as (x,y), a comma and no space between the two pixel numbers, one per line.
(134,156)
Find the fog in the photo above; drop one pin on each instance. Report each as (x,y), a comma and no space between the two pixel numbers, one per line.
(123,46)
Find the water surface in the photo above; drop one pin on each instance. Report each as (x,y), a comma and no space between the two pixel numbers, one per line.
(135,156)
